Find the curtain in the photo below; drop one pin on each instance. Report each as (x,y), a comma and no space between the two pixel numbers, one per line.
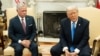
(98,4)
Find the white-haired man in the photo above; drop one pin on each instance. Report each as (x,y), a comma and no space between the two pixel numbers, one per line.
(22,31)
(74,35)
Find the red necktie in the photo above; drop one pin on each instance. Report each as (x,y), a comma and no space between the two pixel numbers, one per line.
(23,25)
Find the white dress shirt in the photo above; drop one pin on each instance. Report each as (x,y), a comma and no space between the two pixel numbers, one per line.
(76,49)
(19,41)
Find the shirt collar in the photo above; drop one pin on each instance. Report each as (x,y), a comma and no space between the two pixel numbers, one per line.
(21,18)
(75,22)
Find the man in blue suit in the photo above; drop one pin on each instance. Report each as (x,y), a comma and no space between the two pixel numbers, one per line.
(22,31)
(74,35)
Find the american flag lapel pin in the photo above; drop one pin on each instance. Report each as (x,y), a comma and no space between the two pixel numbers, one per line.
(79,24)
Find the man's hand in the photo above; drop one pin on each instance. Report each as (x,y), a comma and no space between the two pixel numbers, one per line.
(67,53)
(74,54)
(26,43)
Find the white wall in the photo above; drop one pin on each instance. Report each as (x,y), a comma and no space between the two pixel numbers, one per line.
(46,6)
(42,6)
(6,4)
(54,6)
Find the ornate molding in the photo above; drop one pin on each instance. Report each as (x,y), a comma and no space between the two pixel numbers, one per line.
(62,0)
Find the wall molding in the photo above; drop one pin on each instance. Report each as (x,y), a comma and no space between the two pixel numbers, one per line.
(62,0)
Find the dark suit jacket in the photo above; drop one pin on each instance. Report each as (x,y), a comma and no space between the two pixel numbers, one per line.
(81,35)
(16,31)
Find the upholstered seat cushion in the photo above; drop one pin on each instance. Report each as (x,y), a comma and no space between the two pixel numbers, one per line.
(10,51)
(26,52)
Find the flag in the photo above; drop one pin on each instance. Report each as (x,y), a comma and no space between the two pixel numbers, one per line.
(98,4)
(15,2)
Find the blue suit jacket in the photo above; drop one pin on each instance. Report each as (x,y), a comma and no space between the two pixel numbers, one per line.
(81,36)
(16,31)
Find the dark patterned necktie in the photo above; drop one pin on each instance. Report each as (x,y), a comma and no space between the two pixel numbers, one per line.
(23,25)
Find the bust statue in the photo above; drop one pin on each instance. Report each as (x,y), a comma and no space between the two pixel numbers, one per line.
(31,3)
(91,3)
(0,7)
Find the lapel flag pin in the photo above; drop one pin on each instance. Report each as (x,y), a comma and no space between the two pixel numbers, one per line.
(79,24)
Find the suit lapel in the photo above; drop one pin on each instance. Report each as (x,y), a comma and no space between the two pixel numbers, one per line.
(77,28)
(68,26)
(19,23)
(27,23)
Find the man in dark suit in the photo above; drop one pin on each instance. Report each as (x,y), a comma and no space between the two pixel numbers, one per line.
(22,31)
(74,35)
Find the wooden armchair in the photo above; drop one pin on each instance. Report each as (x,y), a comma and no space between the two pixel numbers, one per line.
(11,12)
(93,15)
(96,42)
(1,35)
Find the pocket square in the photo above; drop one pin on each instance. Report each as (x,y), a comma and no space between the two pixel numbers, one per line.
(30,25)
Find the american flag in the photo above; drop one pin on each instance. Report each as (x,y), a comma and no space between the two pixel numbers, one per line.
(15,2)
(98,4)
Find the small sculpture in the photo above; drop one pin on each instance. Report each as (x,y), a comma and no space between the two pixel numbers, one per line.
(91,3)
(31,3)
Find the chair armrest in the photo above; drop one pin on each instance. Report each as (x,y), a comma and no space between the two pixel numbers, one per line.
(36,39)
(97,39)
(5,35)
(5,32)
